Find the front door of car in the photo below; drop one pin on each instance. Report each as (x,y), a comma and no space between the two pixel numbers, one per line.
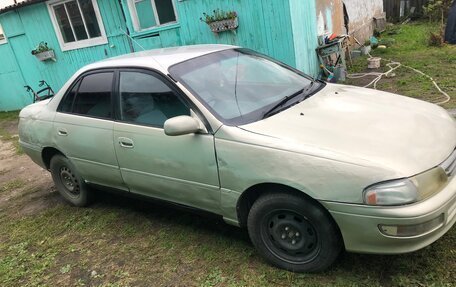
(83,129)
(182,168)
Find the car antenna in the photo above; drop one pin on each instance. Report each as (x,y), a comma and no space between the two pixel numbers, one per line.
(133,40)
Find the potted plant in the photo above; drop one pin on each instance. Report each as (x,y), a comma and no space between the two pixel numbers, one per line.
(221,20)
(42,52)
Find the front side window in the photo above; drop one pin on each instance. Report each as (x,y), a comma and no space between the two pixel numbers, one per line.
(77,23)
(91,96)
(2,36)
(145,99)
(151,13)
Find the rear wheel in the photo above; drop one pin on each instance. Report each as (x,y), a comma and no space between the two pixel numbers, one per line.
(293,233)
(68,181)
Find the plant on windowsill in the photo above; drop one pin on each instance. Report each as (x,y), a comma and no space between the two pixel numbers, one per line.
(42,52)
(221,21)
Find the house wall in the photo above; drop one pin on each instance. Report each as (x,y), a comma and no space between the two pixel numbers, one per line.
(263,26)
(330,17)
(25,28)
(12,95)
(304,21)
(361,14)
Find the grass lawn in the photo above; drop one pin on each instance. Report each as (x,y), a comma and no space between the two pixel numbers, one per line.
(410,48)
(126,242)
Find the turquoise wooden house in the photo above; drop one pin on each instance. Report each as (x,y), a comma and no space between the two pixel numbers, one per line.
(84,31)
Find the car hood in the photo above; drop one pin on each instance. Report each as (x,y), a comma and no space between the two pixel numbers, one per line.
(383,129)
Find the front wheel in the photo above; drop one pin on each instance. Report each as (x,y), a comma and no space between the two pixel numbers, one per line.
(293,233)
(68,181)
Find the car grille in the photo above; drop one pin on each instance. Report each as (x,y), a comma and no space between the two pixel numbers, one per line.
(449,165)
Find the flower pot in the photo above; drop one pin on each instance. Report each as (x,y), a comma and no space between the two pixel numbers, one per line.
(46,55)
(224,25)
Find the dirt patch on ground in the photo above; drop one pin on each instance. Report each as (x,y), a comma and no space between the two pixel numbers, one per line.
(25,188)
(10,126)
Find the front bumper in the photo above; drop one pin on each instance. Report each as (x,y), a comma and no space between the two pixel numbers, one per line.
(359,224)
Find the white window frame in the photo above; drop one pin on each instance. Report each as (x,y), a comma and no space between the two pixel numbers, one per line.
(81,43)
(5,40)
(135,20)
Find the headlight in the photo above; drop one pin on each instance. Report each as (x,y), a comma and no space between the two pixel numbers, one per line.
(407,190)
(396,192)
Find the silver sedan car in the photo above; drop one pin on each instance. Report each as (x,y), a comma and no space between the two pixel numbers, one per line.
(309,168)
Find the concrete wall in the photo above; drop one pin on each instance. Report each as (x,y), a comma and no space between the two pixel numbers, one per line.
(361,14)
(330,17)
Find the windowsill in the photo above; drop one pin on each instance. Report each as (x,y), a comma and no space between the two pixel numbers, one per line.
(84,43)
(156,29)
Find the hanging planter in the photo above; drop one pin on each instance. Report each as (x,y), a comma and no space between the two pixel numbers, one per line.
(43,53)
(224,25)
(221,21)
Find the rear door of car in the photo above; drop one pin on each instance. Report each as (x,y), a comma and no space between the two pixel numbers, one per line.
(83,128)
(181,169)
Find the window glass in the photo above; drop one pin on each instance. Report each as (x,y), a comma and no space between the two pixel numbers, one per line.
(77,20)
(90,18)
(239,85)
(145,99)
(67,103)
(165,11)
(2,35)
(64,23)
(145,13)
(94,96)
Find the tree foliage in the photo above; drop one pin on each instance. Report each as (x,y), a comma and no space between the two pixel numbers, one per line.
(437,9)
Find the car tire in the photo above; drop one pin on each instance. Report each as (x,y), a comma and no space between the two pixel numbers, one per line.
(68,181)
(294,233)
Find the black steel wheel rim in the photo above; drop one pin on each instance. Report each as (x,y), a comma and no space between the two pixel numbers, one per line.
(69,181)
(290,236)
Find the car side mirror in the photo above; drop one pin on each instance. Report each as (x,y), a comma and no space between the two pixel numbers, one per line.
(181,125)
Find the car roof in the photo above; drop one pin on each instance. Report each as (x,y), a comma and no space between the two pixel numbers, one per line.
(160,59)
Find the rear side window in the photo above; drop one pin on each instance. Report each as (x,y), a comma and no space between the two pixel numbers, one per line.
(94,96)
(90,97)
(66,105)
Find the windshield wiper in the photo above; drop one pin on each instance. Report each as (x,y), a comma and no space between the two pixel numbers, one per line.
(306,91)
(281,103)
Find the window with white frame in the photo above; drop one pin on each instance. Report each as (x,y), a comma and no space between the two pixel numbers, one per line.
(2,36)
(147,14)
(77,23)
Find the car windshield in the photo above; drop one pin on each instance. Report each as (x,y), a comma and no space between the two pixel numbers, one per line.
(238,85)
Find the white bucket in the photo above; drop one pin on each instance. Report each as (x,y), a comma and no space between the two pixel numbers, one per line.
(374,63)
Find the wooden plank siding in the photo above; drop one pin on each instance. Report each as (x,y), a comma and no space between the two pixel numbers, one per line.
(12,93)
(263,26)
(25,28)
(392,8)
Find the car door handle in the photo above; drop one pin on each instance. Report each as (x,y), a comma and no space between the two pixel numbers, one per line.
(62,132)
(126,142)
